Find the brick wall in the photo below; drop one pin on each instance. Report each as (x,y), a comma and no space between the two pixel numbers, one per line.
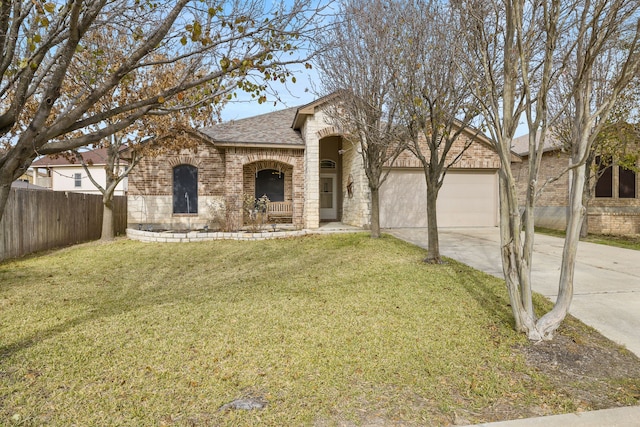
(223,177)
(605,215)
(479,155)
(243,162)
(154,175)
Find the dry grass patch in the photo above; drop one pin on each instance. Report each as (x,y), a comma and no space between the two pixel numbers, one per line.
(332,330)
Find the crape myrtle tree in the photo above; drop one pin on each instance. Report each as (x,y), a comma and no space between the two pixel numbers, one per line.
(524,49)
(358,64)
(170,128)
(617,143)
(216,46)
(438,107)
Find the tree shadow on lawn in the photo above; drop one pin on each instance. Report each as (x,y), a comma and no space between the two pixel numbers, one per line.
(131,300)
(492,299)
(578,362)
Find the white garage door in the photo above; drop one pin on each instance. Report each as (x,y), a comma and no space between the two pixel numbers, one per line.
(466,199)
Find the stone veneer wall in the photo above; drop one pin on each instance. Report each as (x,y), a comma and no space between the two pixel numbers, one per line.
(356,209)
(310,129)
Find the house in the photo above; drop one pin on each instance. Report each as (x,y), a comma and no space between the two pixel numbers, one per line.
(22,184)
(31,176)
(311,170)
(65,173)
(613,209)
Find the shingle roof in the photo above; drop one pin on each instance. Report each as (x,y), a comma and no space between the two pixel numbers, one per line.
(266,129)
(95,157)
(28,186)
(520,145)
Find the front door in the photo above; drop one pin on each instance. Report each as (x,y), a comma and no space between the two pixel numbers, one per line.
(328,197)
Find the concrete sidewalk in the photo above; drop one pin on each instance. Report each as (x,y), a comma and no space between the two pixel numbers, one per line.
(606,297)
(616,417)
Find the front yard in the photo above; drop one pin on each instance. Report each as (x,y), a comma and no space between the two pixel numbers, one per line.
(331,330)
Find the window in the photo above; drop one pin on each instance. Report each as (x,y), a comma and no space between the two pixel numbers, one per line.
(77,180)
(271,183)
(627,183)
(615,180)
(327,164)
(185,189)
(604,185)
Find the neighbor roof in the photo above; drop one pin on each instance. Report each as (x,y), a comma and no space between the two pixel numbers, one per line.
(520,145)
(92,157)
(28,186)
(270,129)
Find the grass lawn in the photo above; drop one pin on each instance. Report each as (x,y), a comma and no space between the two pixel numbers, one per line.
(626,242)
(327,330)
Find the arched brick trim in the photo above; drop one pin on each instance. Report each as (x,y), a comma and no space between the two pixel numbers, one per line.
(268,157)
(269,164)
(184,160)
(329,131)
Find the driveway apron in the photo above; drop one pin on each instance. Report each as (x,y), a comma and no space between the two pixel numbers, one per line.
(606,284)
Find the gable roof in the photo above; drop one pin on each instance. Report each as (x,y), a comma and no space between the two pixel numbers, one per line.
(270,129)
(520,145)
(309,109)
(96,157)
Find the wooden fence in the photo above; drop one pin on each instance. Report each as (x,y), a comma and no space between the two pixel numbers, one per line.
(36,220)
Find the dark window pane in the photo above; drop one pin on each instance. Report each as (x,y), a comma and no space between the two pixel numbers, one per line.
(185,189)
(604,186)
(271,183)
(627,189)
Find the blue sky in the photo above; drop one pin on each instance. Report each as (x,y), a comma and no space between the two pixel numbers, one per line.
(291,95)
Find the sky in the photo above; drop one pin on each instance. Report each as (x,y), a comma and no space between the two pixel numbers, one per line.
(302,92)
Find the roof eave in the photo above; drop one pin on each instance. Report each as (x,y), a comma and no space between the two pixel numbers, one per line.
(309,109)
(225,144)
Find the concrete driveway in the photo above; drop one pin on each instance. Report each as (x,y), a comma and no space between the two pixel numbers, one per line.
(606,285)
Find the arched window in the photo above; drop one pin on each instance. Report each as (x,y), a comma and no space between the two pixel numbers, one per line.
(271,183)
(327,164)
(185,189)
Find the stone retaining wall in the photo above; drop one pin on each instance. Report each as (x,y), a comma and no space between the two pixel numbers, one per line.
(201,236)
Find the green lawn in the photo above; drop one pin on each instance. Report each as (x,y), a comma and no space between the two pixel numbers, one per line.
(327,330)
(626,242)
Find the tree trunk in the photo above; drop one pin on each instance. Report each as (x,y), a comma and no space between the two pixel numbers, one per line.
(375,212)
(514,269)
(4,197)
(548,323)
(107,221)
(586,197)
(433,247)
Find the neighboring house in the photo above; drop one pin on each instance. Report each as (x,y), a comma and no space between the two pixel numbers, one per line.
(67,174)
(613,209)
(31,176)
(311,170)
(27,185)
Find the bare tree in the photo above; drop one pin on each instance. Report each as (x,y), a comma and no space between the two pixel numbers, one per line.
(359,65)
(523,48)
(602,27)
(438,105)
(618,140)
(219,46)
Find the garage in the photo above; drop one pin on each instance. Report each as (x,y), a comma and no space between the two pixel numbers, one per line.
(466,199)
